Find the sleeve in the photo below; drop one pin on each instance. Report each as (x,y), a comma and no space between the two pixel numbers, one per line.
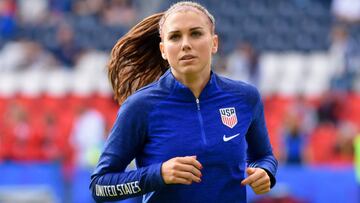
(109,181)
(259,151)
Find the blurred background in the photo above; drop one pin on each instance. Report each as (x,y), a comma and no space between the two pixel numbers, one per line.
(56,104)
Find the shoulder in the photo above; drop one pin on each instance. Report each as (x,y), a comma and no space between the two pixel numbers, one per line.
(238,88)
(146,97)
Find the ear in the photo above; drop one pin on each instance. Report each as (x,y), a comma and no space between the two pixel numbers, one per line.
(215,44)
(161,46)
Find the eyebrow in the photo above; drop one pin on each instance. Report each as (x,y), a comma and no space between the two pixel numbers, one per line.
(191,29)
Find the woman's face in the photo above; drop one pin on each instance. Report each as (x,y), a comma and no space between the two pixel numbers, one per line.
(188,43)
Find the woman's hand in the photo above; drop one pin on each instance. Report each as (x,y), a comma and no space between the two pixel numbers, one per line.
(258,180)
(181,170)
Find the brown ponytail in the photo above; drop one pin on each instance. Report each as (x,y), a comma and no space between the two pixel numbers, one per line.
(136,58)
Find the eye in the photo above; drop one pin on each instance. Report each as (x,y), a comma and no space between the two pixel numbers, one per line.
(174,37)
(196,34)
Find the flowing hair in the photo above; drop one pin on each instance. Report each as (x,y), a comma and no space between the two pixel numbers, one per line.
(136,59)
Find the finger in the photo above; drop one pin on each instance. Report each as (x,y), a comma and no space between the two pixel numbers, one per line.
(187,175)
(261,187)
(250,171)
(180,180)
(250,179)
(246,181)
(262,191)
(188,168)
(191,160)
(261,181)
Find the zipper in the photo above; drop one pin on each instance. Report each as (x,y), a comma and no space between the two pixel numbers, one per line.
(201,121)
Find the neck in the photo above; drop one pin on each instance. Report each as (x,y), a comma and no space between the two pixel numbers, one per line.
(195,82)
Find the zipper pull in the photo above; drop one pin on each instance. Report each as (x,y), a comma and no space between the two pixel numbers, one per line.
(198,104)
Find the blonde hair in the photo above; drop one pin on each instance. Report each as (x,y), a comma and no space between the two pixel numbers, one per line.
(182,5)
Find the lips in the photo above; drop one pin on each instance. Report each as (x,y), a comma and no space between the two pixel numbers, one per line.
(187,57)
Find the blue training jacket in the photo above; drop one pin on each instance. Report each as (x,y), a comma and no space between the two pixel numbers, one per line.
(224,128)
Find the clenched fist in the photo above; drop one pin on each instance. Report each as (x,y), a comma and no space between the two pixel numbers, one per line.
(181,170)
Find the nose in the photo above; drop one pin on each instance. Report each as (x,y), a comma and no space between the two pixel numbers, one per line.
(186,45)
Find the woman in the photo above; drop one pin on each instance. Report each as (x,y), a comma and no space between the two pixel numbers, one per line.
(192,132)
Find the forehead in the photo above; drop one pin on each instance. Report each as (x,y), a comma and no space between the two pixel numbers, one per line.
(185,19)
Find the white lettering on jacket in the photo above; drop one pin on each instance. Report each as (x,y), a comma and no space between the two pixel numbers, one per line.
(117,190)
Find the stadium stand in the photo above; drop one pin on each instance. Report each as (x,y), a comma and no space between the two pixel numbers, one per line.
(52,65)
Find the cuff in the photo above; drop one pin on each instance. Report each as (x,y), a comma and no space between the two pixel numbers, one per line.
(272,178)
(156,176)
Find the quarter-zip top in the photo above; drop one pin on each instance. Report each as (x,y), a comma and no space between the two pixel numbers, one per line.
(201,121)
(224,128)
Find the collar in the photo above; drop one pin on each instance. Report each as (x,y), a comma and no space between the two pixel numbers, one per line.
(180,91)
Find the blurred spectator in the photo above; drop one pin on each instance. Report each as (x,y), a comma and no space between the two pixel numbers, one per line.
(119,13)
(88,7)
(7,19)
(17,133)
(304,112)
(50,145)
(339,47)
(329,108)
(299,122)
(62,6)
(346,10)
(25,54)
(344,149)
(294,142)
(12,55)
(33,12)
(36,57)
(345,54)
(88,136)
(151,6)
(65,48)
(242,63)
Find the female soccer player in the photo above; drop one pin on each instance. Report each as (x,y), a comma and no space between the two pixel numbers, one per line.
(193,134)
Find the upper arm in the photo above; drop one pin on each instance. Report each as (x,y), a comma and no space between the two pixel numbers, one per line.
(125,139)
(257,135)
(259,148)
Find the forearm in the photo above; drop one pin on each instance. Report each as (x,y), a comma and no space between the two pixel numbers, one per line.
(119,186)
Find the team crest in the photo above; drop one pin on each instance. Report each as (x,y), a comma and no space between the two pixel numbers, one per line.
(228,116)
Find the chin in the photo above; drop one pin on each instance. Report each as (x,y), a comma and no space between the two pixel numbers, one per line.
(190,69)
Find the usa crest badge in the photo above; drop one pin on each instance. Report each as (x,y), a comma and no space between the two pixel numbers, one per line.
(228,116)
